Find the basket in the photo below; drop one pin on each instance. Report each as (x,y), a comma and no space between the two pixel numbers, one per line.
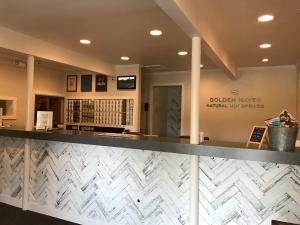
(282,138)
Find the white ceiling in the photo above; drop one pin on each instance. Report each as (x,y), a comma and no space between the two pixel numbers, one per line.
(116,28)
(121,27)
(235,22)
(12,58)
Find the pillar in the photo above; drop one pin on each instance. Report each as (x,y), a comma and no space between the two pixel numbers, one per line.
(29,93)
(28,127)
(298,95)
(194,132)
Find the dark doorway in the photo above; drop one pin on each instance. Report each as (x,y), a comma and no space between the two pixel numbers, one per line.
(50,103)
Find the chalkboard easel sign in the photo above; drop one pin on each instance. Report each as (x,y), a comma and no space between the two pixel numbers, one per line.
(257,135)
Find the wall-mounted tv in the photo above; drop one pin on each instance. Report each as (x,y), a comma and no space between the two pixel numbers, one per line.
(126,82)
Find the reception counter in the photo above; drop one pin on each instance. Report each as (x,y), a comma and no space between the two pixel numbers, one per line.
(229,150)
(92,178)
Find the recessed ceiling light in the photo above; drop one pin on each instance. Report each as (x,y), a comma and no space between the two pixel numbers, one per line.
(156,32)
(265,60)
(265,45)
(201,65)
(265,18)
(125,58)
(85,41)
(182,53)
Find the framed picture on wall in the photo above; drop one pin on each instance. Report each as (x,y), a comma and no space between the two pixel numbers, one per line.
(126,82)
(71,83)
(86,83)
(101,83)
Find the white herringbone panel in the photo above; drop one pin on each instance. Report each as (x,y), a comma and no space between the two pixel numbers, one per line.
(247,193)
(11,167)
(132,187)
(111,185)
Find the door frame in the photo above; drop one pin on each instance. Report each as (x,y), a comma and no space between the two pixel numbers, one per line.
(182,104)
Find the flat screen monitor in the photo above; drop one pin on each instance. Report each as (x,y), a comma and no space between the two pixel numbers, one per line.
(126,82)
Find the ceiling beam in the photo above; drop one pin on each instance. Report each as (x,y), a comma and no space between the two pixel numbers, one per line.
(228,67)
(186,14)
(22,43)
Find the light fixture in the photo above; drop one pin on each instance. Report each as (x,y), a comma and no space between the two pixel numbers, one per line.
(182,53)
(85,41)
(265,18)
(265,60)
(152,66)
(125,58)
(201,65)
(265,45)
(156,32)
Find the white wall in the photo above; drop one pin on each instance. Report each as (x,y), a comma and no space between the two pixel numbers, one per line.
(275,86)
(112,91)
(13,84)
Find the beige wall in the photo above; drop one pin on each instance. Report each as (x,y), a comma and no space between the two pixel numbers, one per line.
(113,92)
(13,84)
(49,81)
(13,81)
(275,86)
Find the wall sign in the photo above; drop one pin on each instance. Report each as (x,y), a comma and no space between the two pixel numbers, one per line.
(101,83)
(257,136)
(235,103)
(44,120)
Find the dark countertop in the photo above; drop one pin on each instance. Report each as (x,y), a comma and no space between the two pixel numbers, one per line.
(162,144)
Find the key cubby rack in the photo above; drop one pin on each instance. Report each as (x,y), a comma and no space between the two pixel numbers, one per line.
(100,112)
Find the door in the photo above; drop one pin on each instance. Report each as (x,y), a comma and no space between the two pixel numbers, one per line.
(166,119)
